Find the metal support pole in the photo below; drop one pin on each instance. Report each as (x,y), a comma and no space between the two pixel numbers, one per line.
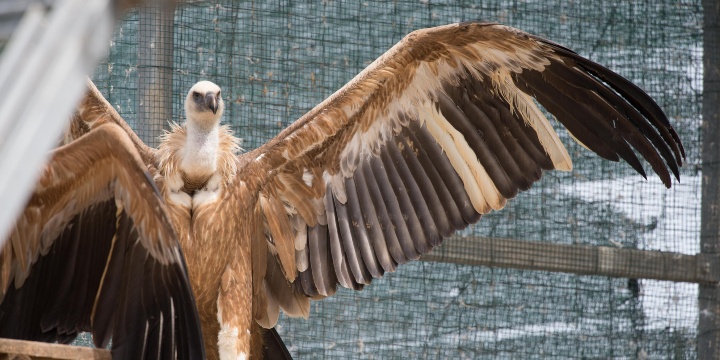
(708,336)
(155,60)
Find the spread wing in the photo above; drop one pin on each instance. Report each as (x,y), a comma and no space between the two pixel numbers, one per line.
(94,110)
(438,131)
(95,251)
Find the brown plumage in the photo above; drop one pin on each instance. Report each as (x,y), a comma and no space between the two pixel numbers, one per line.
(438,131)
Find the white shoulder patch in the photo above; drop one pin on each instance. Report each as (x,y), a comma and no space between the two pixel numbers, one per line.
(180,198)
(203,197)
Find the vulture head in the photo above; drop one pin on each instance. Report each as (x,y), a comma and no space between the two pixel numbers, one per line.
(203,104)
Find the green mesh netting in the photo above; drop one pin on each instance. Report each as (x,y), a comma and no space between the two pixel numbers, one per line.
(275,60)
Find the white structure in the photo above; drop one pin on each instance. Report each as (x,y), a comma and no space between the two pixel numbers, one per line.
(42,73)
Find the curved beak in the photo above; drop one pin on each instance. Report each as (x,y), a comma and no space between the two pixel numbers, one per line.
(211,102)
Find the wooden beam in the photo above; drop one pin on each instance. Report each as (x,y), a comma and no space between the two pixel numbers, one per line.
(578,259)
(18,349)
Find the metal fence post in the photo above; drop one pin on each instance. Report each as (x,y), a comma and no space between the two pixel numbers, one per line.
(708,336)
(155,60)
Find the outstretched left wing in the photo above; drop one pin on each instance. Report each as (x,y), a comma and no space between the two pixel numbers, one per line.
(93,111)
(94,250)
(438,131)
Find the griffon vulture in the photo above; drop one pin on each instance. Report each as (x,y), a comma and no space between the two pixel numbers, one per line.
(438,131)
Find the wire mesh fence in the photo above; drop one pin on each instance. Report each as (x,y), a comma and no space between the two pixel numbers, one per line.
(275,60)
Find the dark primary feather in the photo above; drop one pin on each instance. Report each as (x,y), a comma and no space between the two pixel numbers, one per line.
(491,160)
(60,314)
(24,315)
(499,111)
(408,214)
(520,169)
(636,97)
(394,211)
(104,320)
(425,188)
(631,122)
(320,260)
(417,199)
(306,282)
(359,230)
(593,134)
(452,180)
(370,225)
(351,248)
(453,218)
(339,259)
(274,348)
(620,100)
(380,212)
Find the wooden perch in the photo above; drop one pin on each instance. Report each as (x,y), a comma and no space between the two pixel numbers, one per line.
(27,350)
(578,259)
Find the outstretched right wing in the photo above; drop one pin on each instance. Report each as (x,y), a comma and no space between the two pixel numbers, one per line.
(441,129)
(95,251)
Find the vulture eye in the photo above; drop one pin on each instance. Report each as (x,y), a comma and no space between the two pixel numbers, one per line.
(218,95)
(196,95)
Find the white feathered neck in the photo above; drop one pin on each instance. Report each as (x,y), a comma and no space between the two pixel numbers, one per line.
(200,153)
